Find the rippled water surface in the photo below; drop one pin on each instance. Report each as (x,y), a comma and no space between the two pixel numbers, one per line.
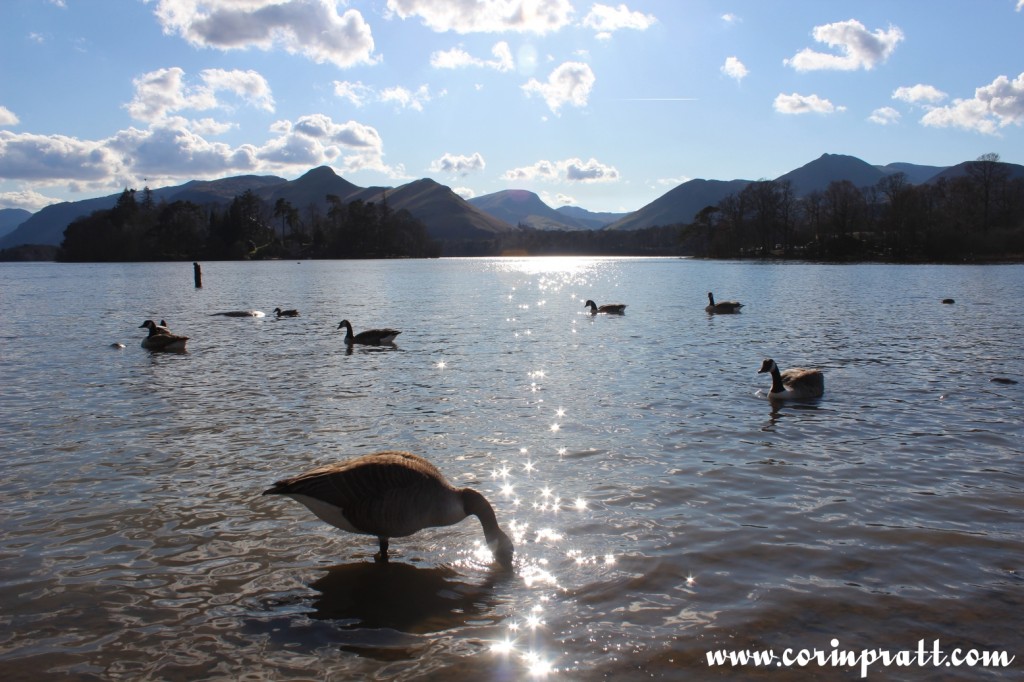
(661,507)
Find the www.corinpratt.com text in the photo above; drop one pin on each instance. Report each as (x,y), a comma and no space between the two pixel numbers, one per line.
(925,656)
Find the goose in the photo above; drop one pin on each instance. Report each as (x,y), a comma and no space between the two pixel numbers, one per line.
(160,338)
(948,301)
(609,308)
(795,382)
(286,313)
(391,494)
(722,306)
(241,313)
(370,337)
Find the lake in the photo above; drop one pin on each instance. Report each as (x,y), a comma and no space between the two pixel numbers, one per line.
(662,508)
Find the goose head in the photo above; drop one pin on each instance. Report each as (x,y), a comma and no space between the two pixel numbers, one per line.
(768,366)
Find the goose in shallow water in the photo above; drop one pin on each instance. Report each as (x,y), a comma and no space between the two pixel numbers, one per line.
(795,382)
(722,306)
(161,338)
(286,313)
(370,337)
(391,494)
(608,308)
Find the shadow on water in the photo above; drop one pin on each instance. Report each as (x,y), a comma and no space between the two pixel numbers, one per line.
(402,597)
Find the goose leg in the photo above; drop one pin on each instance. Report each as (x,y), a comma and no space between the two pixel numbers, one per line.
(382,556)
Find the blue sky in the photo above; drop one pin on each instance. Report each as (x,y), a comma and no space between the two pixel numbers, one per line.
(604,106)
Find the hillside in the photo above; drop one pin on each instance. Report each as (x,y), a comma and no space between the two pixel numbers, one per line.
(591,220)
(10,218)
(449,217)
(520,207)
(818,174)
(679,205)
(446,215)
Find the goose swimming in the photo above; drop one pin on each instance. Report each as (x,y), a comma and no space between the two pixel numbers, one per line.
(370,337)
(722,306)
(391,494)
(608,308)
(795,382)
(286,313)
(241,313)
(161,338)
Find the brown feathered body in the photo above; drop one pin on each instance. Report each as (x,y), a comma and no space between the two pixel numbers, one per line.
(607,308)
(370,337)
(795,382)
(286,313)
(161,338)
(722,306)
(391,494)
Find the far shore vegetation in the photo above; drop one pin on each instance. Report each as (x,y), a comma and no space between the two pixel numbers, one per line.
(976,217)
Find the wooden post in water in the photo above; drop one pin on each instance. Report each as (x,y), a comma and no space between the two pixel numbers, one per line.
(198,273)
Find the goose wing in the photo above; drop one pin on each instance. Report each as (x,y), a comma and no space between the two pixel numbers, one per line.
(376,335)
(386,494)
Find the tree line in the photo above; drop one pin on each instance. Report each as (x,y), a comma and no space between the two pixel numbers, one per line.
(138,228)
(976,216)
(979,215)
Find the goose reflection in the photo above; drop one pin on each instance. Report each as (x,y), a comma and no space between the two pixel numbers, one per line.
(403,597)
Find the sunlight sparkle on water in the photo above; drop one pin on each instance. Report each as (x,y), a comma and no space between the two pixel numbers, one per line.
(555,427)
(560,412)
(581,504)
(549,534)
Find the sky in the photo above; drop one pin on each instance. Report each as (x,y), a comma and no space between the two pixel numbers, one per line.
(606,106)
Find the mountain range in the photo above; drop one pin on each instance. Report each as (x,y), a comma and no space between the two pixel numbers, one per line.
(449,217)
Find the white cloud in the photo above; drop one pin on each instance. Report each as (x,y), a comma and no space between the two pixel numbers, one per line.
(406,99)
(884,116)
(589,171)
(172,149)
(359,94)
(573,170)
(26,199)
(163,92)
(915,94)
(731,18)
(458,165)
(569,83)
(994,106)
(804,104)
(356,93)
(859,48)
(494,16)
(466,193)
(457,58)
(734,68)
(28,156)
(1020,5)
(312,28)
(7,117)
(249,86)
(605,19)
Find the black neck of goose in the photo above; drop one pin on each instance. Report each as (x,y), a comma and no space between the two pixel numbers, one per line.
(477,505)
(777,385)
